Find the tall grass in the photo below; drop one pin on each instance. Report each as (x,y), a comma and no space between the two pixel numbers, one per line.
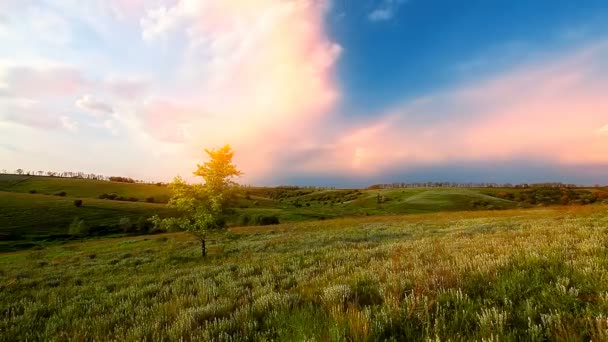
(511,275)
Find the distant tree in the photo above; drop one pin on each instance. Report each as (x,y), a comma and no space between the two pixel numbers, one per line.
(78,203)
(19,171)
(204,207)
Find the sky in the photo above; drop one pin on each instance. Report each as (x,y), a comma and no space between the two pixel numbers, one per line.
(308,92)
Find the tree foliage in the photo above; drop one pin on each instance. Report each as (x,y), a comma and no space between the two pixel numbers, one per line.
(204,206)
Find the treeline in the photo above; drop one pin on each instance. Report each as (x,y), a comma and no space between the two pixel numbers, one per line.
(471,185)
(79,175)
(549,196)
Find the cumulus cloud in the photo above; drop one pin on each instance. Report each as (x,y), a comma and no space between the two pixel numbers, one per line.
(93,106)
(255,75)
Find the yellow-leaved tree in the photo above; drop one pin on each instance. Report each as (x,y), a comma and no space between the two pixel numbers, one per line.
(204,206)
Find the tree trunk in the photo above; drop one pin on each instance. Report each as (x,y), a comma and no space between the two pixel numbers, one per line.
(203,248)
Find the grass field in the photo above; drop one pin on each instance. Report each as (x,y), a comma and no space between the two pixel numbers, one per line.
(30,211)
(534,274)
(83,188)
(26,217)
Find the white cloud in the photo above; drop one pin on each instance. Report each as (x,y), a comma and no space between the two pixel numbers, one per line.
(93,106)
(385,11)
(69,124)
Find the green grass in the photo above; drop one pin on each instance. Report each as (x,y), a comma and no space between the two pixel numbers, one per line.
(33,216)
(534,275)
(75,187)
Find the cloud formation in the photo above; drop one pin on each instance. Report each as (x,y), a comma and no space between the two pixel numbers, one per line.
(551,112)
(95,107)
(385,10)
(158,81)
(258,75)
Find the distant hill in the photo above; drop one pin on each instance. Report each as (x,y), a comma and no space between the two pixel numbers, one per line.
(39,208)
(76,187)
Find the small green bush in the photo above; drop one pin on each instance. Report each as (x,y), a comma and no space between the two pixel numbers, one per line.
(33,191)
(78,203)
(61,193)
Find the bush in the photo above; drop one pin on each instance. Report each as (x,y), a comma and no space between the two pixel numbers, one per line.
(78,228)
(143,225)
(78,203)
(33,191)
(61,193)
(150,199)
(263,220)
(125,224)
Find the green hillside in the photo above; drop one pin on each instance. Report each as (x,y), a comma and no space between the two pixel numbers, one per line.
(75,187)
(25,217)
(31,209)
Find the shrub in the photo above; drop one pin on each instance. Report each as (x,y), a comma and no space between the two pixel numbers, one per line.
(142,225)
(78,203)
(150,199)
(103,196)
(125,224)
(264,220)
(61,193)
(78,228)
(33,191)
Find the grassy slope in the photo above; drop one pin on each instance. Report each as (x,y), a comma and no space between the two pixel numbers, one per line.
(496,275)
(401,201)
(81,187)
(52,214)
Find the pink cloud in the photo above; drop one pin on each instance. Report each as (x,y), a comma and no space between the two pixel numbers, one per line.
(42,80)
(554,112)
(256,75)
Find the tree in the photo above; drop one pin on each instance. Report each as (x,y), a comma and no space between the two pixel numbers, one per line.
(19,171)
(204,207)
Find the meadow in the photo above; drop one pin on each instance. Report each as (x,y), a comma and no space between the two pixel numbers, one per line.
(523,274)
(37,211)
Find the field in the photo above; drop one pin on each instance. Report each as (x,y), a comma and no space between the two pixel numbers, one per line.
(525,274)
(36,211)
(82,188)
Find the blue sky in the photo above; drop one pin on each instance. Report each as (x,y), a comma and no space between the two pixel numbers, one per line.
(429,45)
(328,92)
